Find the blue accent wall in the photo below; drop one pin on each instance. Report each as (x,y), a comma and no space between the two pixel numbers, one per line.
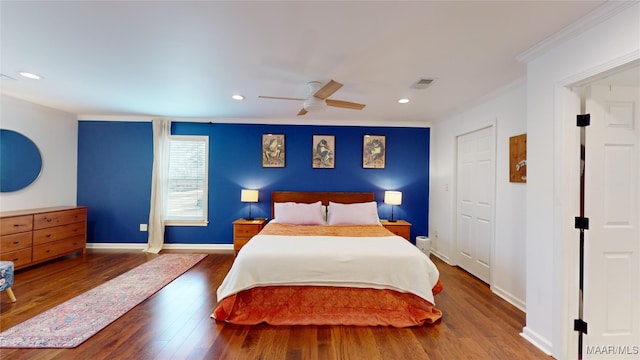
(115,161)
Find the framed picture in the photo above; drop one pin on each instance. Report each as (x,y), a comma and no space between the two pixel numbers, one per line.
(273,150)
(323,152)
(518,159)
(374,150)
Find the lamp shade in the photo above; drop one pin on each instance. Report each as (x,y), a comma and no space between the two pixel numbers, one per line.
(393,197)
(249,195)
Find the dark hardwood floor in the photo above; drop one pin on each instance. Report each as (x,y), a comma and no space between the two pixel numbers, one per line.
(175,324)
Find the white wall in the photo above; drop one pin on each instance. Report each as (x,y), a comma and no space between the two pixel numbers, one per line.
(56,135)
(552,189)
(507,112)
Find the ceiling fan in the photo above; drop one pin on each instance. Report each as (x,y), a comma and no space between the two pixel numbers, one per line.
(317,99)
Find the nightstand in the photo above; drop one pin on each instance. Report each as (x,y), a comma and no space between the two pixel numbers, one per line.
(399,227)
(244,230)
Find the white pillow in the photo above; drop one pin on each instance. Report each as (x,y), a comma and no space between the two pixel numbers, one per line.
(353,214)
(299,213)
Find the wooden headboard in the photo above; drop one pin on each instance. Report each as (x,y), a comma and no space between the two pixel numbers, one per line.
(313,196)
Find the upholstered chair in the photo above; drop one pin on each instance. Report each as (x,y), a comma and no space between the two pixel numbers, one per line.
(6,279)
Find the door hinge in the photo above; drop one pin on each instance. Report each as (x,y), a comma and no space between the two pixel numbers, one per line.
(582,223)
(580,325)
(583,120)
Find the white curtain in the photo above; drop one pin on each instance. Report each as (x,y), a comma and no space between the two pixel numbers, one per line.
(159,184)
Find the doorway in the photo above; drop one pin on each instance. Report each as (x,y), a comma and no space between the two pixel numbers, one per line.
(612,204)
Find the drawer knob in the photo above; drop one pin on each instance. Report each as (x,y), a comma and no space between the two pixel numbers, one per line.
(48,251)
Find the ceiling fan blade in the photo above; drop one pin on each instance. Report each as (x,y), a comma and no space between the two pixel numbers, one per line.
(279,98)
(328,89)
(345,104)
(302,112)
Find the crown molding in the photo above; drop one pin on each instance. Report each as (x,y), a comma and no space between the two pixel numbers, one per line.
(597,16)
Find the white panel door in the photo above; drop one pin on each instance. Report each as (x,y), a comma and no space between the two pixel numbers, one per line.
(475,202)
(612,243)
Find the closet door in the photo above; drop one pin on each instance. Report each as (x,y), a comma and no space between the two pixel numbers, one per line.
(475,202)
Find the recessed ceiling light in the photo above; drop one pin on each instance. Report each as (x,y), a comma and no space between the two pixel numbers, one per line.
(403,101)
(237,97)
(30,75)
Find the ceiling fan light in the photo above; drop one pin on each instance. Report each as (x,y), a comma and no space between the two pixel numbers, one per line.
(314,104)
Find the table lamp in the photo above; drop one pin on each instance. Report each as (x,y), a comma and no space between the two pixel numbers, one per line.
(392,198)
(250,196)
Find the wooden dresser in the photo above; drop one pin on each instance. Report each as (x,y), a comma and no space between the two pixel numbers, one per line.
(32,236)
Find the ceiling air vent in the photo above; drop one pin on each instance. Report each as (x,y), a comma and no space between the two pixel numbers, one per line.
(422,84)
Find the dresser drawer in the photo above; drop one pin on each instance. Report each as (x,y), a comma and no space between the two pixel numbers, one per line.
(405,232)
(16,224)
(57,218)
(15,241)
(401,228)
(58,233)
(20,258)
(55,249)
(246,230)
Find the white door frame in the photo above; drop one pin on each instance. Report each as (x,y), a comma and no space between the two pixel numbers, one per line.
(453,259)
(566,200)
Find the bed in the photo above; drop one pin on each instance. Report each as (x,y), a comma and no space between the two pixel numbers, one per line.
(342,269)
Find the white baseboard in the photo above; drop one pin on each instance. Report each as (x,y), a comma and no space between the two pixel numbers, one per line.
(441,256)
(508,297)
(141,246)
(537,340)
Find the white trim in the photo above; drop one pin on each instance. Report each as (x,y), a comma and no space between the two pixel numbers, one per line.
(212,247)
(138,118)
(565,182)
(597,16)
(187,222)
(264,121)
(566,207)
(510,298)
(140,246)
(629,60)
(537,340)
(117,246)
(441,256)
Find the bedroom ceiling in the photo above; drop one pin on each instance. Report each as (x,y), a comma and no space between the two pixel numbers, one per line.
(186,59)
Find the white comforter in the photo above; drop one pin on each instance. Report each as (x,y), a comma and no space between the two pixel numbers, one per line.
(389,262)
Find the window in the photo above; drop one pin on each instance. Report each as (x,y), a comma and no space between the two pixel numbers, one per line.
(187,187)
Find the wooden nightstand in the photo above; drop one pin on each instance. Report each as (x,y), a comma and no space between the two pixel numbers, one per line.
(400,228)
(244,230)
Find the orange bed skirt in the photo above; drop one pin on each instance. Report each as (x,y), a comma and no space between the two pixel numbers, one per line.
(321,305)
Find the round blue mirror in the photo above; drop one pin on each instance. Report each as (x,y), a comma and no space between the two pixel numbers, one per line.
(20,161)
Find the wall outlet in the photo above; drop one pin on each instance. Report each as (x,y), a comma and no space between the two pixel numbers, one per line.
(143,227)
